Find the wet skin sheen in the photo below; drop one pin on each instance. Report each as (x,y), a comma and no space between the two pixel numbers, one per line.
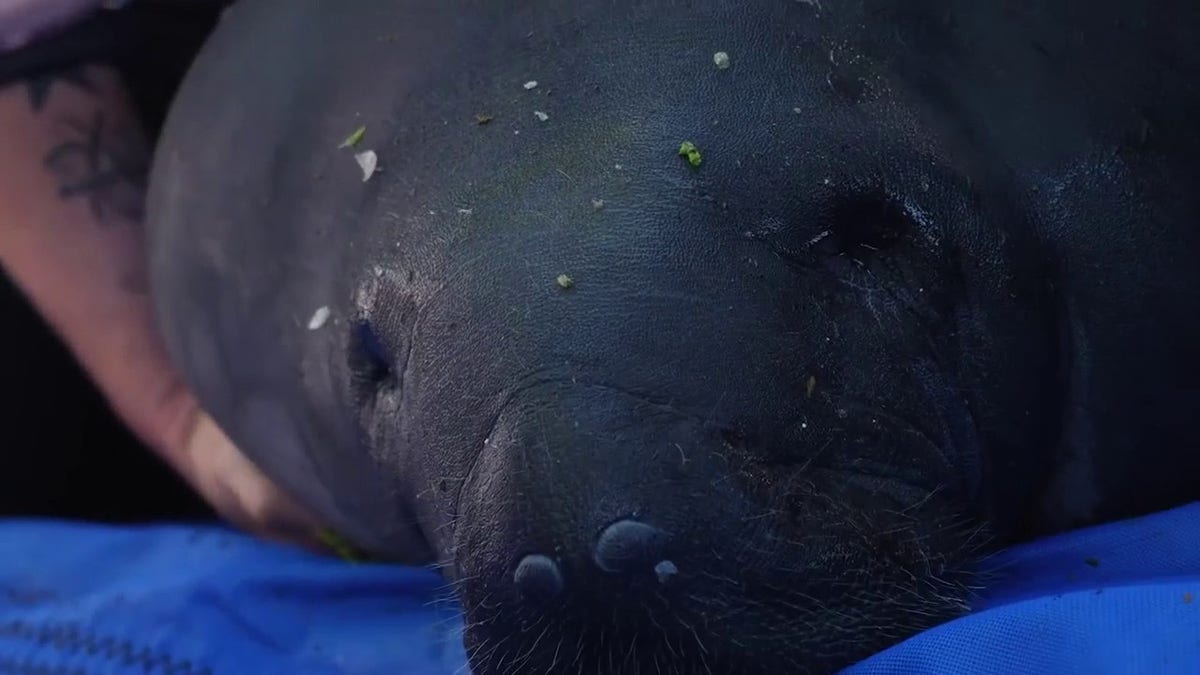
(931,290)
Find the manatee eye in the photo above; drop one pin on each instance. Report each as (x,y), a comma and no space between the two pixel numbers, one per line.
(370,359)
(862,225)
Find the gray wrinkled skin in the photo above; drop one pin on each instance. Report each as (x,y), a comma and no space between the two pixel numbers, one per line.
(931,290)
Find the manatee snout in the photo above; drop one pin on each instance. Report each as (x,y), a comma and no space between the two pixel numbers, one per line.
(597,524)
(586,499)
(601,480)
(715,451)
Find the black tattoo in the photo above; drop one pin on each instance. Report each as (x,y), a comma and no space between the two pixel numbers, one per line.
(38,86)
(103,164)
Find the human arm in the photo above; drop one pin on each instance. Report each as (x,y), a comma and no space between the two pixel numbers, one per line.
(71,235)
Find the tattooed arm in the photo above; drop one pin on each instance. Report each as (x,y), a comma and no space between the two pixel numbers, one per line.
(72,175)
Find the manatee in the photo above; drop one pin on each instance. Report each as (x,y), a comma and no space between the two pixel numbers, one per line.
(685,363)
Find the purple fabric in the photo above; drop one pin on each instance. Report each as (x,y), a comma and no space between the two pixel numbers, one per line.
(23,21)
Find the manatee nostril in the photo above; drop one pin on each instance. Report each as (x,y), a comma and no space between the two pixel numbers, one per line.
(629,546)
(538,578)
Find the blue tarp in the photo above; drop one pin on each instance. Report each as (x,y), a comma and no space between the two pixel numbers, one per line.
(182,600)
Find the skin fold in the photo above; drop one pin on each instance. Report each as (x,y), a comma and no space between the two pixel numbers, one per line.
(928,292)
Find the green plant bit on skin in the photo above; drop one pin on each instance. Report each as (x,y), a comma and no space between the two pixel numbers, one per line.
(340,546)
(483,119)
(354,138)
(688,149)
(811,385)
(565,282)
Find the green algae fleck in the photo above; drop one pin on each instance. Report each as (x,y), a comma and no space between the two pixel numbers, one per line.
(354,138)
(340,545)
(688,149)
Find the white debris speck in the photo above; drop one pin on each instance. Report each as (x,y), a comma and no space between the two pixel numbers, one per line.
(368,161)
(665,569)
(465,212)
(796,110)
(619,167)
(819,238)
(597,204)
(542,117)
(319,318)
(377,270)
(532,84)
(804,425)
(721,59)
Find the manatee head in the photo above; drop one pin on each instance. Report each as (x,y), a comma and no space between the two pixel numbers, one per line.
(758,409)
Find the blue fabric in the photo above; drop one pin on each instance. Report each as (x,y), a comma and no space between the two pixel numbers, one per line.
(194,600)
(1122,598)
